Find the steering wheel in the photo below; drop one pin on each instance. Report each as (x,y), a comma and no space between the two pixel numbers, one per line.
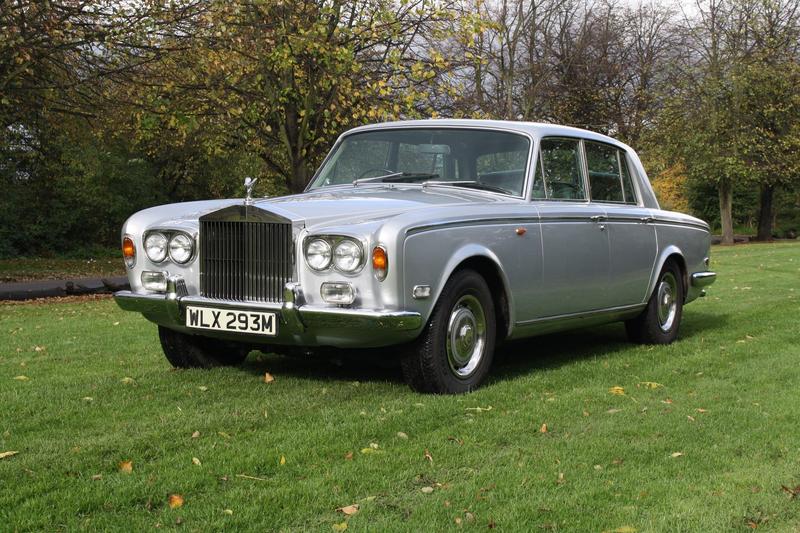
(381,171)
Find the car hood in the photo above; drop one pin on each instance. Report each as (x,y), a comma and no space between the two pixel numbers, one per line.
(366,203)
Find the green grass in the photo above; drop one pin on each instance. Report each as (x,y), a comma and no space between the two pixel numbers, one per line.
(727,400)
(27,269)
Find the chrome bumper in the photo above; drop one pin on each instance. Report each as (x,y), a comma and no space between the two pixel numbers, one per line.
(703,279)
(300,325)
(697,284)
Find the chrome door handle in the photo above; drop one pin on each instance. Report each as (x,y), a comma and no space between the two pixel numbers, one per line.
(647,220)
(597,218)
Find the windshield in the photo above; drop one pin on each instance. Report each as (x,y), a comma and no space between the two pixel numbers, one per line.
(483,159)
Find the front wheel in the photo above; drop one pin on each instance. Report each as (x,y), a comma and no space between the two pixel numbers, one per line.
(454,352)
(194,351)
(659,322)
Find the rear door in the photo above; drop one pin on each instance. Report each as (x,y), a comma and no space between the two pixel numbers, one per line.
(632,237)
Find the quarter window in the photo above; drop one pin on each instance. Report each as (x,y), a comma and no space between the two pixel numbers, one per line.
(609,179)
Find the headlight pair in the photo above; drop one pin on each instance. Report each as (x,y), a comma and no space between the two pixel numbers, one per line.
(343,253)
(177,245)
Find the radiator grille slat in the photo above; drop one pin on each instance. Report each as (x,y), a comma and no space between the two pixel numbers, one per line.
(245,261)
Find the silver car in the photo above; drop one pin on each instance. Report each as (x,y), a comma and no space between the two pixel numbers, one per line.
(441,237)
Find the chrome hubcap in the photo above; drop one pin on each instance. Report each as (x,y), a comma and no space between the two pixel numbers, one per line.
(466,336)
(667,305)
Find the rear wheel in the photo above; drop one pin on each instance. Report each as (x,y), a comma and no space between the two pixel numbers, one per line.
(454,352)
(659,322)
(194,351)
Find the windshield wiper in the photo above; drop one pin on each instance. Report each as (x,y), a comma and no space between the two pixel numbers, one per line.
(397,177)
(469,184)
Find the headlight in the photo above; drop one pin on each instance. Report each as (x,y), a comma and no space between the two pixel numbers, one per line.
(155,246)
(181,248)
(347,256)
(318,254)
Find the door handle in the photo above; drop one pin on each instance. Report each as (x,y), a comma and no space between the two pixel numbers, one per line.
(597,218)
(647,220)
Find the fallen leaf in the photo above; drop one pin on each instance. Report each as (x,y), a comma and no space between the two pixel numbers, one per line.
(3,455)
(622,529)
(793,493)
(457,520)
(617,390)
(401,435)
(479,409)
(268,378)
(561,479)
(348,456)
(586,413)
(428,456)
(175,501)
(426,490)
(87,399)
(469,517)
(373,445)
(368,451)
(617,461)
(97,477)
(22,378)
(690,417)
(349,510)
(543,429)
(223,435)
(650,384)
(126,467)
(667,401)
(196,435)
(612,411)
(39,349)
(203,388)
(456,440)
(196,461)
(701,410)
(339,527)
(283,460)
(676,454)
(128,381)
(227,511)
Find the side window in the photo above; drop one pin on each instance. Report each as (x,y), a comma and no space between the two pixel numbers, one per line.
(561,169)
(605,178)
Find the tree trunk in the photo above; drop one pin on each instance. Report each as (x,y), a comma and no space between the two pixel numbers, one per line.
(765,213)
(299,178)
(726,211)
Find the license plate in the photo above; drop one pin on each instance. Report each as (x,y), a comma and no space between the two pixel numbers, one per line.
(253,322)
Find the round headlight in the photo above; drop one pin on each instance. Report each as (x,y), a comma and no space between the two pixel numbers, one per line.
(155,246)
(180,248)
(318,254)
(347,256)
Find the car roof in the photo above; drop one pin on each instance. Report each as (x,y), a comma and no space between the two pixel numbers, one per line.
(535,129)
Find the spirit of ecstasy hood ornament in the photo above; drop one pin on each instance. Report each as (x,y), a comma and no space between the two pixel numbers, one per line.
(249,183)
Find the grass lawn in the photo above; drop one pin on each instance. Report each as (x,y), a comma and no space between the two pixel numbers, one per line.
(106,265)
(703,438)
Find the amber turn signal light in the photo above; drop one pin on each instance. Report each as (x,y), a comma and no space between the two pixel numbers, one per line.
(380,262)
(128,251)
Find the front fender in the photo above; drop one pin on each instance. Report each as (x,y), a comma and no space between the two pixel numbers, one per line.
(430,258)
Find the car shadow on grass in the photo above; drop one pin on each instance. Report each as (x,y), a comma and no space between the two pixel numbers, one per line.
(512,359)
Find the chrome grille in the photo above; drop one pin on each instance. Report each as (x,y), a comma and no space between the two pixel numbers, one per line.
(244,260)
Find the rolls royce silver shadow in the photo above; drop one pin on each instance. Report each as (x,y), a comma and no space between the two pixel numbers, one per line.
(441,237)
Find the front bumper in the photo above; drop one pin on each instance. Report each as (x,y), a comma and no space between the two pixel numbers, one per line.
(300,325)
(698,283)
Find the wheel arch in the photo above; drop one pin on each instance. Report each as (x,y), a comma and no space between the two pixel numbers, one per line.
(485,263)
(670,253)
